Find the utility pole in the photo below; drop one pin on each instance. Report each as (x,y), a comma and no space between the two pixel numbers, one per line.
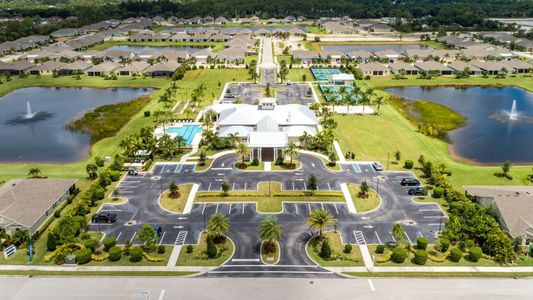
(388,155)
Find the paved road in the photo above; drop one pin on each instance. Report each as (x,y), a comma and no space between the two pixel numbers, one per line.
(267,66)
(166,288)
(370,228)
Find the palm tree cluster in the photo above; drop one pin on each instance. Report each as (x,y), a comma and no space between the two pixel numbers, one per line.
(270,232)
(320,219)
(165,146)
(354,96)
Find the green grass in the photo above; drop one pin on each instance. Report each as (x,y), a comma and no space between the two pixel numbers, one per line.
(217,46)
(198,257)
(338,257)
(274,255)
(286,166)
(315,30)
(249,166)
(106,121)
(434,44)
(95,273)
(109,146)
(441,274)
(207,165)
(284,57)
(363,205)
(266,203)
(249,58)
(176,204)
(296,74)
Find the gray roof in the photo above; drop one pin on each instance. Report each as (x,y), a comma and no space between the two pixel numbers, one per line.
(19,65)
(49,65)
(137,66)
(372,66)
(26,200)
(400,65)
(515,204)
(105,67)
(431,66)
(166,66)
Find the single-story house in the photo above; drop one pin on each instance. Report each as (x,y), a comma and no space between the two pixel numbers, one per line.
(262,32)
(433,67)
(491,67)
(166,68)
(16,68)
(306,57)
(418,54)
(231,55)
(135,68)
(388,55)
(460,66)
(296,32)
(47,68)
(400,66)
(201,56)
(78,66)
(512,204)
(361,55)
(102,69)
(373,69)
(26,204)
(221,20)
(517,66)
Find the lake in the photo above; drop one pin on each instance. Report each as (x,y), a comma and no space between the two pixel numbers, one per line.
(47,139)
(373,48)
(140,49)
(489,136)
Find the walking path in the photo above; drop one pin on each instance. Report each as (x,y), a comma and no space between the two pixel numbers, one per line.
(173,259)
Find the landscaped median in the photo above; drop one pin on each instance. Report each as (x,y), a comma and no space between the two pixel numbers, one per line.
(271,255)
(175,203)
(364,198)
(197,255)
(269,197)
(340,255)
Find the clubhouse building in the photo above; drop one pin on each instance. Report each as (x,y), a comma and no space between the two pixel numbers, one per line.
(266,128)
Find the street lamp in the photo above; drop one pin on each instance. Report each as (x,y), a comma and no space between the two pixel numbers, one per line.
(440,221)
(388,155)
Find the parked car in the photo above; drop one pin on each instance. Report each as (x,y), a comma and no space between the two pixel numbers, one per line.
(417,191)
(132,172)
(377,166)
(104,217)
(410,182)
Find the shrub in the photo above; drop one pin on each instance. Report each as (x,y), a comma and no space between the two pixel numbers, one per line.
(211,248)
(399,254)
(115,175)
(421,243)
(408,164)
(255,161)
(380,249)
(57,214)
(136,254)
(325,250)
(115,253)
(91,244)
(443,244)
(348,248)
(456,255)
(475,254)
(147,113)
(51,243)
(109,242)
(83,256)
(161,249)
(190,248)
(421,257)
(438,192)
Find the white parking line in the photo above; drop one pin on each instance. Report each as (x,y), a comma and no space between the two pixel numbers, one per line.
(372,288)
(131,240)
(209,188)
(162,237)
(379,240)
(229,210)
(203,209)
(216,210)
(119,234)
(309,207)
(419,233)
(393,239)
(329,186)
(305,187)
(176,168)
(220,174)
(243,208)
(292,185)
(163,168)
(245,185)
(409,239)
(162,294)
(336,210)
(233,186)
(322,204)
(429,209)
(296,206)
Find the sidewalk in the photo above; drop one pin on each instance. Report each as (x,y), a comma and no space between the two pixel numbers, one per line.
(76,268)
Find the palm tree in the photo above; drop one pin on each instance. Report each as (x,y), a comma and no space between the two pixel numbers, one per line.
(304,139)
(188,112)
(270,231)
(180,141)
(320,219)
(233,139)
(242,151)
(217,226)
(365,99)
(208,118)
(378,102)
(34,173)
(326,113)
(291,150)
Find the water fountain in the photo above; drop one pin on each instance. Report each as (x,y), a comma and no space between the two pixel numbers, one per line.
(28,114)
(513,115)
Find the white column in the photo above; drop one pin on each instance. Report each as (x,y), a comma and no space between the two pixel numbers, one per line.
(260,154)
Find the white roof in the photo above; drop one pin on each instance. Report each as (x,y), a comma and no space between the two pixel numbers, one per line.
(297,131)
(342,76)
(267,139)
(241,131)
(250,115)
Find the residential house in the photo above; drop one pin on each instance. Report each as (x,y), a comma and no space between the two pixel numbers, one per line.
(304,56)
(459,66)
(433,67)
(103,69)
(135,68)
(16,68)
(166,68)
(400,67)
(373,69)
(47,68)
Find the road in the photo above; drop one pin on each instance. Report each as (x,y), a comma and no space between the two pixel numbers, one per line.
(166,288)
(268,67)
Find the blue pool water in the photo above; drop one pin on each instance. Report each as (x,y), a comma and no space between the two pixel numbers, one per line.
(324,74)
(186,131)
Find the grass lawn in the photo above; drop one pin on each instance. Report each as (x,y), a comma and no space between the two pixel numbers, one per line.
(249,58)
(249,167)
(198,257)
(266,203)
(207,165)
(286,166)
(284,57)
(315,30)
(440,274)
(176,204)
(125,260)
(363,204)
(338,257)
(271,258)
(217,46)
(295,74)
(434,44)
(96,273)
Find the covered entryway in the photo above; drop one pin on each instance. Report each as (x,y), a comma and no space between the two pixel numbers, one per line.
(267,154)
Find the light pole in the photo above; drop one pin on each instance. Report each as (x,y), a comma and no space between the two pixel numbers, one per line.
(440,221)
(377,185)
(388,155)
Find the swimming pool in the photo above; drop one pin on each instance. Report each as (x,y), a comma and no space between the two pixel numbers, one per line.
(188,132)
(324,74)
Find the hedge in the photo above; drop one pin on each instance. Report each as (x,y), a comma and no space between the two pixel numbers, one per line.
(408,164)
(399,255)
(115,253)
(102,257)
(83,256)
(456,254)
(91,244)
(421,257)
(153,259)
(109,243)
(136,254)
(438,192)
(421,243)
(380,249)
(475,254)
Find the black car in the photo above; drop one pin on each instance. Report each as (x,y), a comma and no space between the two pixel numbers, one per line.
(105,217)
(410,182)
(417,191)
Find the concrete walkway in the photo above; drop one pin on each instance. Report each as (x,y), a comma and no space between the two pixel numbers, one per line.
(348,198)
(268,166)
(76,268)
(339,151)
(190,199)
(173,259)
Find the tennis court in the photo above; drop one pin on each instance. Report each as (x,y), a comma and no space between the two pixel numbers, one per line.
(324,74)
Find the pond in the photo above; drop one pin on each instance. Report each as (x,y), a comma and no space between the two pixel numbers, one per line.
(373,48)
(140,49)
(40,134)
(491,136)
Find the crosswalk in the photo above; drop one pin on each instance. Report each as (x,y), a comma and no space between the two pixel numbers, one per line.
(359,237)
(180,239)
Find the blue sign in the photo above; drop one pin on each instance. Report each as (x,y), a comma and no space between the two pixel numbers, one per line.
(31,251)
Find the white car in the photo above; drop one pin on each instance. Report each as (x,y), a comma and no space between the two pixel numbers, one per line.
(377,166)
